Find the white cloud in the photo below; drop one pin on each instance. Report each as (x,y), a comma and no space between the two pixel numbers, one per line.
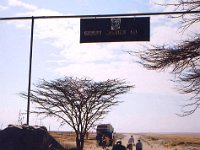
(18,3)
(42,27)
(165,35)
(3,8)
(148,81)
(155,5)
(40,12)
(161,5)
(105,60)
(100,61)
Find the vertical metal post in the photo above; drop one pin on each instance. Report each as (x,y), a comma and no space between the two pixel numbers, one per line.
(30,68)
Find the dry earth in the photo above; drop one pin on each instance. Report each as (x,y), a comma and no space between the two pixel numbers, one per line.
(149,141)
(171,141)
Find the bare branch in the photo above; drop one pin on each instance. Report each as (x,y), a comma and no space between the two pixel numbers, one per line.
(185,5)
(184,60)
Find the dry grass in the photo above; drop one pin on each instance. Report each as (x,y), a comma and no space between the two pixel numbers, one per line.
(171,140)
(67,139)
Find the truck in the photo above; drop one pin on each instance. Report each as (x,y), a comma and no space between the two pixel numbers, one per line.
(105,135)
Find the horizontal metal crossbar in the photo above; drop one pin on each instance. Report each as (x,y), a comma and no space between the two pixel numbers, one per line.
(101,16)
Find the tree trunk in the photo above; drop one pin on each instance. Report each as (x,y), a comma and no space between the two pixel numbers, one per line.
(78,146)
(80,141)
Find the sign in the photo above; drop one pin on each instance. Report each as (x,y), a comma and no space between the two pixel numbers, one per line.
(114,29)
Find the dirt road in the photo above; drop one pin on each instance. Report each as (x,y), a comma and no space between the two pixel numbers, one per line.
(149,142)
(124,138)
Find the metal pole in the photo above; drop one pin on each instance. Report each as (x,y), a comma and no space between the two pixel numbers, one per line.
(30,68)
(104,15)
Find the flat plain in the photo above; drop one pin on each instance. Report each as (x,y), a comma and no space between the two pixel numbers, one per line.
(150,141)
(172,141)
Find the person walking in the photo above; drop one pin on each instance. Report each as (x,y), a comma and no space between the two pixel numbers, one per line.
(139,145)
(130,143)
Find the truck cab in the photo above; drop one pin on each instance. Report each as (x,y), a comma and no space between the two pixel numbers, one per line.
(104,135)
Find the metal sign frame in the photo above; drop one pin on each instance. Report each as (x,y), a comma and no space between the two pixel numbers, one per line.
(77,16)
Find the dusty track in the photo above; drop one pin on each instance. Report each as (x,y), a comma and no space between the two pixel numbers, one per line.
(159,144)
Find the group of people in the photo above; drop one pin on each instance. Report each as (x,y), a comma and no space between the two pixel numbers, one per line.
(119,146)
(131,144)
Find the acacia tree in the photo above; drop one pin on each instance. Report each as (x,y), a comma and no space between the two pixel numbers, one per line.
(78,102)
(183,58)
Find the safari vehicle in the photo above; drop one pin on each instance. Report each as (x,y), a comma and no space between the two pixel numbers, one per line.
(104,135)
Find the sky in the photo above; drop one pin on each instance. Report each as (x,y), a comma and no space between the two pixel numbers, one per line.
(152,106)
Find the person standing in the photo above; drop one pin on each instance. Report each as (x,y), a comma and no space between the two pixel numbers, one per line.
(139,145)
(130,143)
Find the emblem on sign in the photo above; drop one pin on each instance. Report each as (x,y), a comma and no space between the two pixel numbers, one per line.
(115,23)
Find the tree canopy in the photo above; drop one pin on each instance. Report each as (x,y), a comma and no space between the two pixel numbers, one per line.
(78,102)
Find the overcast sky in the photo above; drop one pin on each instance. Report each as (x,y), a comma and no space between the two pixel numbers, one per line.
(150,107)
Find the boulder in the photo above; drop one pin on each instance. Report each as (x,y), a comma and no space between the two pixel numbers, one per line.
(26,138)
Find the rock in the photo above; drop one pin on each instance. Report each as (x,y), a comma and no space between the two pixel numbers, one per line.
(27,138)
